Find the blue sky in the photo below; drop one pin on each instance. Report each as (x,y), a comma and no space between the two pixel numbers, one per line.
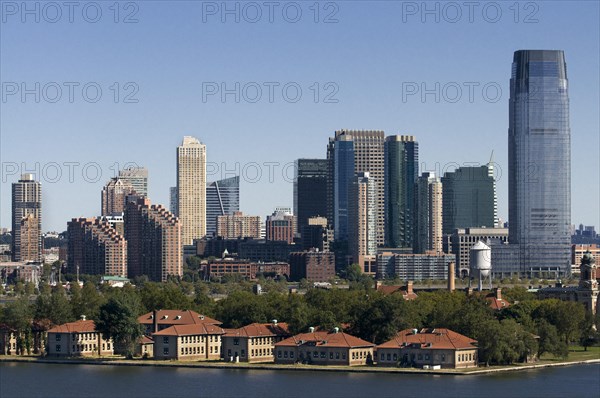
(360,66)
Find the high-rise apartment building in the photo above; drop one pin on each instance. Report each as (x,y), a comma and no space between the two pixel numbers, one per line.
(340,174)
(362,215)
(153,237)
(95,248)
(27,219)
(222,198)
(114,194)
(191,189)
(401,172)
(238,225)
(137,177)
(469,198)
(539,161)
(428,214)
(281,226)
(368,149)
(310,190)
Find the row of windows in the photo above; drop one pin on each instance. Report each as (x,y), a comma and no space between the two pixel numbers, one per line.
(466,357)
(261,352)
(84,347)
(194,350)
(261,340)
(360,354)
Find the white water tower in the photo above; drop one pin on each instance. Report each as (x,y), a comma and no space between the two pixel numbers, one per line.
(481,264)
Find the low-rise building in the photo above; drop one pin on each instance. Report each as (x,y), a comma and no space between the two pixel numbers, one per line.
(428,348)
(313,266)
(78,338)
(407,291)
(324,348)
(196,342)
(156,321)
(248,269)
(253,343)
(495,300)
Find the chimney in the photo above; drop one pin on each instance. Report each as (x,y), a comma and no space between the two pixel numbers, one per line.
(499,293)
(154,321)
(274,321)
(83,317)
(451,276)
(409,287)
(311,329)
(378,284)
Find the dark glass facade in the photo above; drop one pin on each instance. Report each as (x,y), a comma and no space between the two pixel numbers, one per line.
(539,149)
(222,198)
(343,173)
(310,190)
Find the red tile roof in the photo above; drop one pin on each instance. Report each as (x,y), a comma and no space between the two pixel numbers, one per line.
(496,303)
(190,330)
(389,289)
(80,326)
(259,330)
(434,339)
(325,339)
(177,317)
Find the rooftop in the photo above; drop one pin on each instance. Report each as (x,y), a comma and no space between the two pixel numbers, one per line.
(325,339)
(432,338)
(81,326)
(177,317)
(259,330)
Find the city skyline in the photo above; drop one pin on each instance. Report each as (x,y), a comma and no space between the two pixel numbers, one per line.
(171,105)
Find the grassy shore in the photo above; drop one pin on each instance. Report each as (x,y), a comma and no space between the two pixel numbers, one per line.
(577,355)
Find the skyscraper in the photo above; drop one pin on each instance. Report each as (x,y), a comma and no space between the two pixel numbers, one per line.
(368,148)
(137,177)
(191,189)
(401,172)
(469,198)
(539,158)
(27,219)
(428,214)
(222,197)
(341,158)
(362,217)
(113,196)
(310,190)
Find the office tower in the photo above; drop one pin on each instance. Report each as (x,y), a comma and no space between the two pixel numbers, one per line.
(401,172)
(539,159)
(428,214)
(222,197)
(310,190)
(113,196)
(281,225)
(95,248)
(316,234)
(173,200)
(368,149)
(340,157)
(137,177)
(153,237)
(238,225)
(26,219)
(191,189)
(469,198)
(362,217)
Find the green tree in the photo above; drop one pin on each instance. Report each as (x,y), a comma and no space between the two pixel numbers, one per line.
(118,320)
(18,315)
(550,341)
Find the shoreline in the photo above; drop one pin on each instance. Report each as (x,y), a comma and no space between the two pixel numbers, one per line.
(305,368)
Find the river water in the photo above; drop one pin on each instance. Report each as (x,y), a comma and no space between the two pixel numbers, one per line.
(84,381)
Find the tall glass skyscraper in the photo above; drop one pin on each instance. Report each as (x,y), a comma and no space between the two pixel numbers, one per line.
(222,198)
(401,172)
(310,190)
(539,155)
(343,174)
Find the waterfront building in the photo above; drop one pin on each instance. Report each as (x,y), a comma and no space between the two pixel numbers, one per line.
(195,342)
(154,246)
(401,171)
(26,242)
(95,248)
(413,267)
(469,198)
(191,189)
(222,198)
(238,225)
(78,339)
(158,320)
(324,348)
(539,162)
(460,241)
(254,343)
(310,190)
(428,214)
(314,266)
(362,218)
(137,177)
(281,226)
(428,348)
(113,196)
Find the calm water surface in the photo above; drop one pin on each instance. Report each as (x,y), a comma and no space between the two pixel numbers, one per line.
(84,381)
